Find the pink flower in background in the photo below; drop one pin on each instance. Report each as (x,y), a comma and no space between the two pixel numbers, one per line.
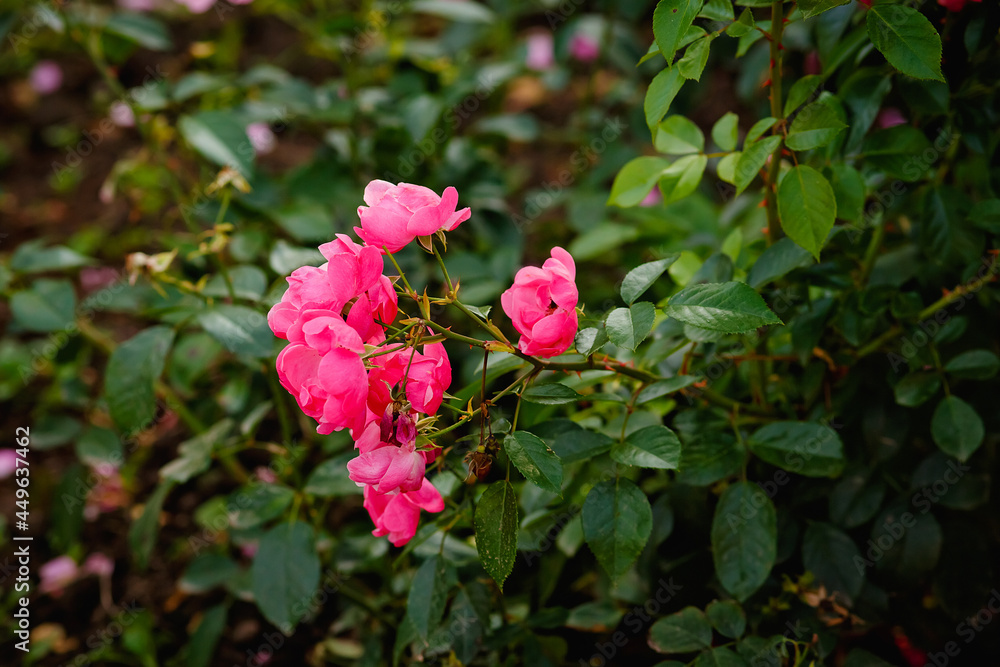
(261,138)
(890,117)
(99,565)
(46,77)
(197,6)
(584,48)
(265,475)
(8,463)
(397,214)
(542,305)
(138,5)
(540,55)
(121,114)
(93,278)
(397,514)
(955,5)
(652,199)
(57,574)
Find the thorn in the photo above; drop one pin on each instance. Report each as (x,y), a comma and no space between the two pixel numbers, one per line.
(766,84)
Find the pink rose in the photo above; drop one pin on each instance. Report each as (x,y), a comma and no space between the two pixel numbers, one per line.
(397,514)
(542,305)
(46,77)
(323,370)
(388,468)
(890,117)
(397,214)
(540,51)
(584,48)
(428,378)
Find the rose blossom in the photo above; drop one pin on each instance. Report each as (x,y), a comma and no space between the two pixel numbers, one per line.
(540,52)
(397,214)
(386,466)
(584,48)
(261,138)
(542,305)
(397,514)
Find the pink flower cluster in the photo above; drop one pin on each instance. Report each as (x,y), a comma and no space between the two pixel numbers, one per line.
(342,373)
(345,373)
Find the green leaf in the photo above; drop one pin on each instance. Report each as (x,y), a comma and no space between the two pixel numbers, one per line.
(816,125)
(682,632)
(428,595)
(892,150)
(259,503)
(285,574)
(916,388)
(144,530)
(664,387)
(692,64)
(636,179)
(956,428)
(535,460)
(807,207)
(241,330)
(580,444)
(752,160)
(974,365)
(195,455)
(725,168)
(758,129)
(719,657)
(832,555)
(811,8)
(100,446)
(50,305)
(331,478)
(727,617)
(496,530)
(662,91)
(142,29)
(806,448)
(907,39)
(671,20)
(130,377)
(678,135)
(801,91)
(856,498)
(744,539)
(206,636)
(589,340)
(650,447)
(206,572)
(724,131)
(305,221)
(682,177)
(848,189)
(627,327)
(741,26)
(732,307)
(617,522)
(220,138)
(30,257)
(776,261)
(642,277)
(554,393)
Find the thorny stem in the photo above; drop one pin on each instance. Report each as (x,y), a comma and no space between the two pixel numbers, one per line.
(770,190)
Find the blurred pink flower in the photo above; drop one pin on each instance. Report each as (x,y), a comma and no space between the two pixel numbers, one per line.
(57,574)
(397,214)
(261,138)
(542,305)
(8,463)
(652,199)
(240,2)
(99,565)
(890,117)
(812,64)
(584,48)
(249,549)
(121,115)
(265,475)
(397,514)
(138,5)
(107,495)
(540,54)
(955,5)
(46,77)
